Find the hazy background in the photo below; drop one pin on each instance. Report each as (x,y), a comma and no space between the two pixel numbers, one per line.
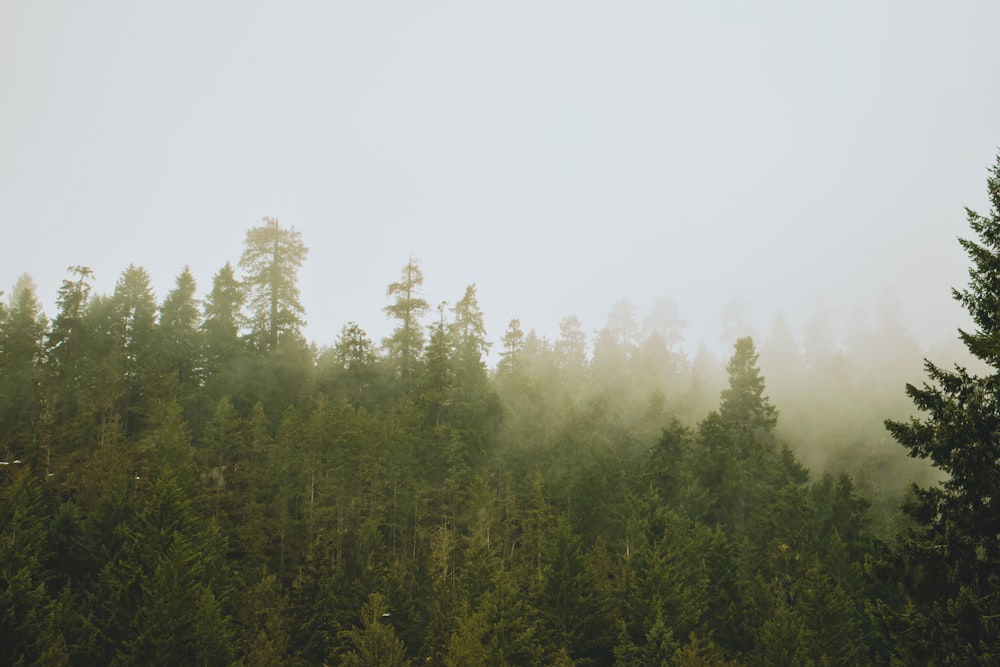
(561,155)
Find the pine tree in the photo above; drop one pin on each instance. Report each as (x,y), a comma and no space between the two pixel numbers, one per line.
(407,340)
(513,345)
(375,642)
(221,323)
(22,340)
(948,566)
(740,464)
(180,342)
(571,348)
(66,342)
(133,325)
(350,366)
(469,336)
(271,260)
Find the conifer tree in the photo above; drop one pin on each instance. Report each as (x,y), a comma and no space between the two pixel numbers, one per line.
(407,340)
(469,339)
(179,332)
(271,260)
(948,566)
(740,464)
(63,359)
(133,326)
(22,340)
(513,345)
(221,323)
(375,642)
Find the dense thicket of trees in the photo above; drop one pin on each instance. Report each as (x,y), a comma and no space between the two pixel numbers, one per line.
(190,482)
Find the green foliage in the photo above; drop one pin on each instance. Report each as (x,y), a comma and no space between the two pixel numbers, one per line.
(947,567)
(220,325)
(408,307)
(180,342)
(375,642)
(195,484)
(271,259)
(466,647)
(22,350)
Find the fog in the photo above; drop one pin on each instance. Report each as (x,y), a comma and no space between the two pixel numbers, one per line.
(563,157)
(667,269)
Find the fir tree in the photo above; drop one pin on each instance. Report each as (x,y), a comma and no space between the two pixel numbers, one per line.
(271,260)
(948,565)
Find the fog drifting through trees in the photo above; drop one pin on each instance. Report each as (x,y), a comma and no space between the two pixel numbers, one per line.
(189,481)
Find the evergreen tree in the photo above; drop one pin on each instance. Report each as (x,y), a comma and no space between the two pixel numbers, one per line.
(25,607)
(740,464)
(180,342)
(407,340)
(221,323)
(571,348)
(65,362)
(513,345)
(350,367)
(469,336)
(271,260)
(22,345)
(948,565)
(134,312)
(375,642)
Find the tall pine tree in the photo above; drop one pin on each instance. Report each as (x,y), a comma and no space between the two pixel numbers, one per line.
(947,567)
(271,260)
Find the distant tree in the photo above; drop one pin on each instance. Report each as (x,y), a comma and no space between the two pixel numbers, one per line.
(353,348)
(350,366)
(513,344)
(22,345)
(665,320)
(221,322)
(571,347)
(744,404)
(782,358)
(270,261)
(438,379)
(614,348)
(408,307)
(739,462)
(948,565)
(658,361)
(135,313)
(65,336)
(469,335)
(734,322)
(818,346)
(623,323)
(180,340)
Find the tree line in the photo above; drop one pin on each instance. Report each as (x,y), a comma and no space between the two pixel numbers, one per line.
(191,482)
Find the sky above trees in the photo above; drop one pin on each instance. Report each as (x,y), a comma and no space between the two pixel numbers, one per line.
(561,156)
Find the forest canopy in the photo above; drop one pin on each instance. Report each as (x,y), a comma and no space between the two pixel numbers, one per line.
(189,481)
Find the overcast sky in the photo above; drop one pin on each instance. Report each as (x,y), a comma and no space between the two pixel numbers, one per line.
(561,155)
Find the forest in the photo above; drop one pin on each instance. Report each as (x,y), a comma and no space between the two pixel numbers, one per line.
(188,481)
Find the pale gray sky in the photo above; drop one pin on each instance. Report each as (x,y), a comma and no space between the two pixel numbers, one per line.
(561,155)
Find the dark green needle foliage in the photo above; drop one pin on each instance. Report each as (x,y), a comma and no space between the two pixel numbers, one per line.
(189,481)
(945,604)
